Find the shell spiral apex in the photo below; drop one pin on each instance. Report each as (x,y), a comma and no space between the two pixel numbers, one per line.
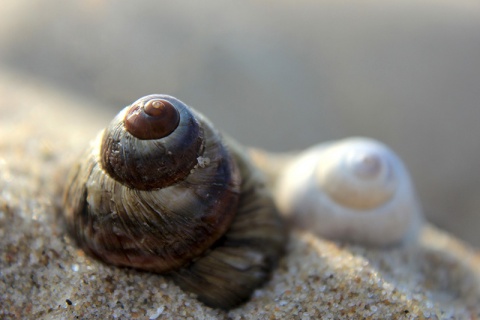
(151,119)
(357,174)
(160,190)
(146,152)
(355,189)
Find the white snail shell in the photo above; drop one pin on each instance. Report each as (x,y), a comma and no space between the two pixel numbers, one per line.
(355,189)
(161,190)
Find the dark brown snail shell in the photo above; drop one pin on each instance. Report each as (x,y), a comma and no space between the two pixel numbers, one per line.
(178,199)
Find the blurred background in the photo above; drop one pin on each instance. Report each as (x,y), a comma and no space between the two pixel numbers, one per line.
(282,75)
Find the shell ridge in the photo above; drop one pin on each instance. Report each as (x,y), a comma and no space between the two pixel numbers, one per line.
(219,278)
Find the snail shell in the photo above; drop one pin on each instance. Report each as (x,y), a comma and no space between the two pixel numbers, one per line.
(355,189)
(160,190)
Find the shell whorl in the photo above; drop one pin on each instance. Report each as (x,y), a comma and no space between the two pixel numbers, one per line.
(151,118)
(355,189)
(360,177)
(152,162)
(181,200)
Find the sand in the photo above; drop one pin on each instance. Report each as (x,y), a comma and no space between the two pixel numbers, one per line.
(44,275)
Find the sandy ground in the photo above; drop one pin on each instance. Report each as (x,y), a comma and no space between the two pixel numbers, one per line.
(43,274)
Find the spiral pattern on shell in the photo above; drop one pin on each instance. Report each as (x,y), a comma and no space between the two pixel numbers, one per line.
(161,190)
(355,189)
